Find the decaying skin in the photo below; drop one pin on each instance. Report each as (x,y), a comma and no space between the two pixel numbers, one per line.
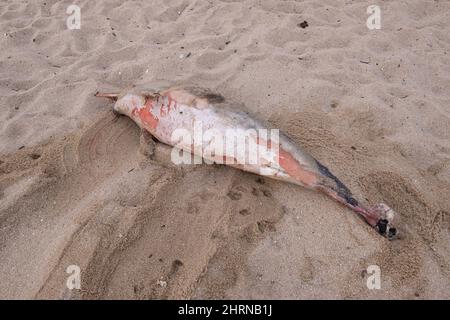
(160,113)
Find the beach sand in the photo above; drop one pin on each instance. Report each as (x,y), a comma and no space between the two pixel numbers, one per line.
(79,186)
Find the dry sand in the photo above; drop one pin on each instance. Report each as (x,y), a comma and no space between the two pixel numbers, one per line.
(79,186)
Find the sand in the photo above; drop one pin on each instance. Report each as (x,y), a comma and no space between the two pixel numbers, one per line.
(79,186)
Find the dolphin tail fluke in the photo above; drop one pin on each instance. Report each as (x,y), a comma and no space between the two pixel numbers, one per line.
(385,218)
(379,216)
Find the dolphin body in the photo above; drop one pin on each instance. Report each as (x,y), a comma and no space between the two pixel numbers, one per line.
(164,112)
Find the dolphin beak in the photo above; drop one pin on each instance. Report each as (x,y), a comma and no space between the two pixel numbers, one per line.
(112,96)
